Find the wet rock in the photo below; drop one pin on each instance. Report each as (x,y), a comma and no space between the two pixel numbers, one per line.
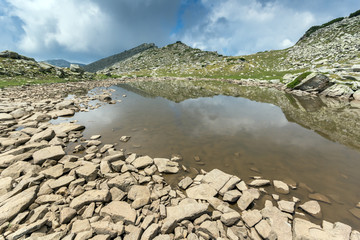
(281,187)
(125,138)
(245,200)
(53,152)
(312,207)
(185,183)
(202,191)
(259,182)
(16,204)
(119,211)
(319,197)
(142,162)
(89,197)
(164,165)
(355,212)
(251,217)
(140,196)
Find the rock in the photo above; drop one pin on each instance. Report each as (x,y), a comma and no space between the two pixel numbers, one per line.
(5,117)
(278,221)
(125,138)
(232,196)
(142,162)
(65,104)
(89,197)
(61,113)
(88,172)
(6,184)
(286,206)
(140,196)
(264,229)
(16,204)
(245,200)
(18,113)
(229,185)
(119,211)
(230,218)
(355,68)
(53,172)
(187,209)
(356,95)
(123,182)
(135,234)
(313,208)
(216,179)
(338,90)
(164,165)
(80,226)
(281,187)
(355,235)
(150,232)
(319,197)
(61,182)
(49,198)
(185,183)
(47,135)
(210,228)
(66,214)
(355,212)
(314,82)
(53,152)
(107,228)
(303,229)
(76,68)
(340,231)
(27,229)
(259,182)
(202,191)
(251,217)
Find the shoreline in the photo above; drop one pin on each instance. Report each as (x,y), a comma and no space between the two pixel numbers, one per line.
(60,187)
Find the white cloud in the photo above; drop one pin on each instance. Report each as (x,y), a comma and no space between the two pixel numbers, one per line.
(232,26)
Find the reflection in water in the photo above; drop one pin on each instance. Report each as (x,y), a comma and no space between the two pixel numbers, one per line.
(235,134)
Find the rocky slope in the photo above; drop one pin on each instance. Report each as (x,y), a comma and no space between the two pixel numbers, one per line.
(16,69)
(109,61)
(55,184)
(62,63)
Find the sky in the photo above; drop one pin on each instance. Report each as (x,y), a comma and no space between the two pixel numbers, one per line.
(87,30)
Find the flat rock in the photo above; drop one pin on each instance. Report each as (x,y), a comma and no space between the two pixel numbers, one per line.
(185,183)
(150,232)
(5,117)
(142,162)
(27,229)
(251,217)
(259,182)
(6,185)
(16,204)
(66,214)
(80,226)
(230,218)
(119,211)
(140,196)
(47,135)
(188,209)
(229,185)
(216,179)
(53,152)
(245,200)
(123,182)
(210,228)
(264,229)
(355,212)
(53,172)
(88,172)
(286,206)
(319,197)
(164,165)
(66,127)
(61,182)
(61,113)
(202,191)
(89,197)
(313,208)
(232,196)
(303,229)
(281,187)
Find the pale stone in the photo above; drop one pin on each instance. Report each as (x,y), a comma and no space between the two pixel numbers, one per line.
(281,187)
(201,191)
(142,162)
(140,196)
(89,197)
(185,183)
(263,228)
(53,172)
(245,200)
(119,211)
(312,207)
(216,179)
(66,214)
(150,232)
(232,195)
(123,182)
(53,152)
(210,228)
(259,182)
(286,206)
(230,218)
(229,185)
(164,165)
(88,172)
(251,217)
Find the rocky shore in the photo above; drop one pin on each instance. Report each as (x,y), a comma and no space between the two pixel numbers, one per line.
(96,190)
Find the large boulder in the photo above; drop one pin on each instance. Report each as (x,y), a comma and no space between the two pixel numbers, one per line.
(314,82)
(338,90)
(53,152)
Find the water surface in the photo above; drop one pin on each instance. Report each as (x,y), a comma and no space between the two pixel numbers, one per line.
(273,135)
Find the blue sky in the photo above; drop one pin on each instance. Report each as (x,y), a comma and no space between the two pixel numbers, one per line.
(87,30)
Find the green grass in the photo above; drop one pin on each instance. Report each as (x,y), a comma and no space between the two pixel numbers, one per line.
(19,81)
(298,80)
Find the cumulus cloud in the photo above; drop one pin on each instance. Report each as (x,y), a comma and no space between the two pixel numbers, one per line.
(90,27)
(239,27)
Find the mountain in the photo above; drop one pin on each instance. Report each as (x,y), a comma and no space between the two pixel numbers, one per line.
(108,61)
(62,63)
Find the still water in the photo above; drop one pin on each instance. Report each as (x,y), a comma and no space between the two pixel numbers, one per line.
(252,134)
